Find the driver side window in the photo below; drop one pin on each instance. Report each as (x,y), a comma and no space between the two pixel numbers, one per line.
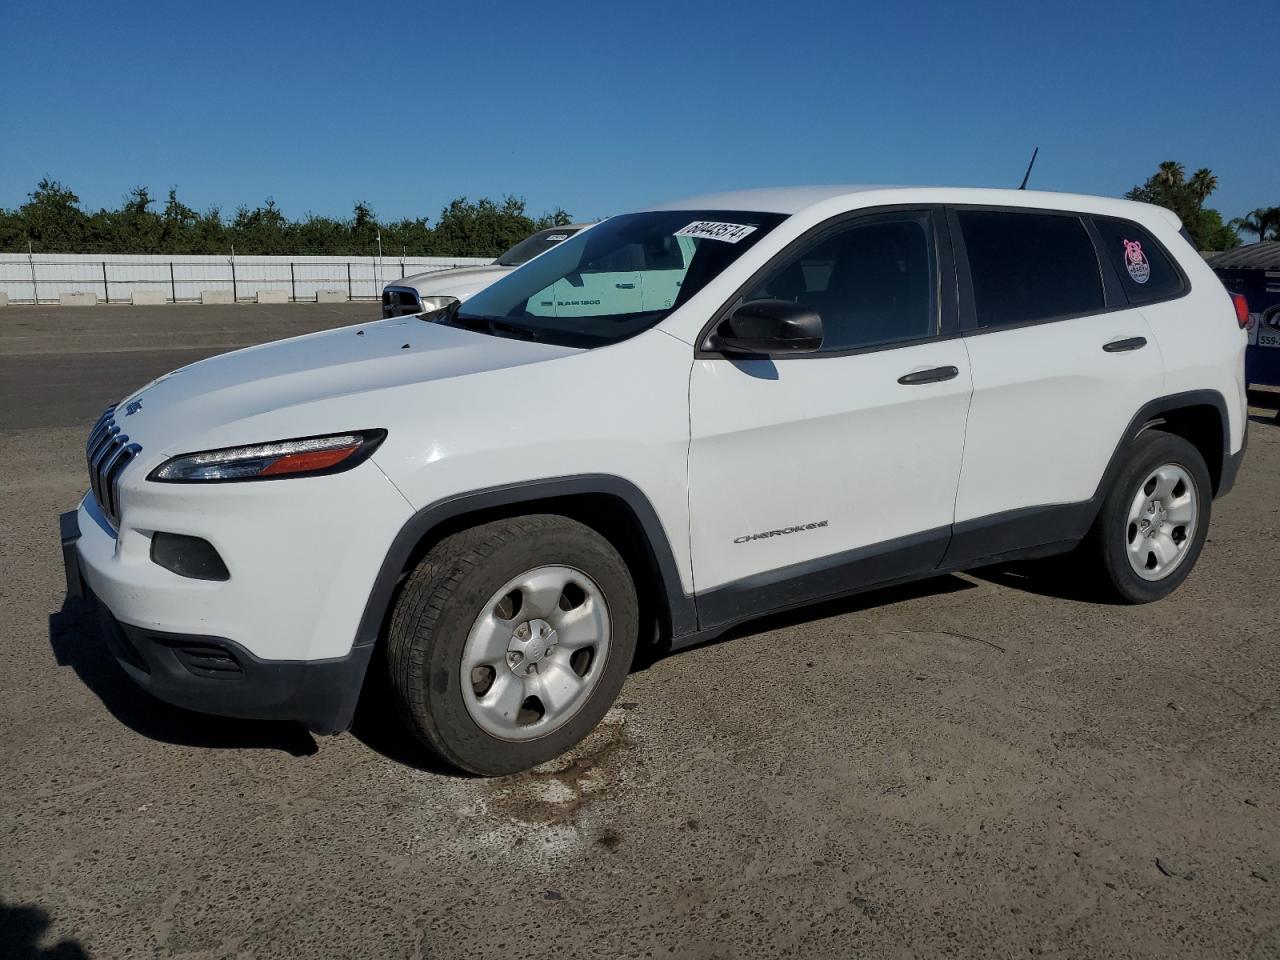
(873,281)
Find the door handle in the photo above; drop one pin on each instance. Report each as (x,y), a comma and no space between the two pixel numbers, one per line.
(625,286)
(1125,344)
(932,375)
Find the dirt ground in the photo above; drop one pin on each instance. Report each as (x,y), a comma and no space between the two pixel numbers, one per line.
(975,766)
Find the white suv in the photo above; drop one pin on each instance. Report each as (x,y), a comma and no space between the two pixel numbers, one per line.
(676,421)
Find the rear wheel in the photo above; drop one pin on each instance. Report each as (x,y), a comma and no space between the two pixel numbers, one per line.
(1154,520)
(510,641)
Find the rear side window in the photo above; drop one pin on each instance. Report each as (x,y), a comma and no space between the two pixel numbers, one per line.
(1146,270)
(1029,266)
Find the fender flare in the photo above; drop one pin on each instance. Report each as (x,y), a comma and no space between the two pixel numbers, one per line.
(1148,416)
(680,607)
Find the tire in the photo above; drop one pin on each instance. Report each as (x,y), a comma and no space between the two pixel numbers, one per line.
(486,594)
(1135,567)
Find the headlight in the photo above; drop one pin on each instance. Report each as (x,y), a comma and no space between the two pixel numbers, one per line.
(432,304)
(306,456)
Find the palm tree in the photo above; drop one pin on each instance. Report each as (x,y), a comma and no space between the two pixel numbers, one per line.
(1263,223)
(1270,222)
(1171,174)
(1203,183)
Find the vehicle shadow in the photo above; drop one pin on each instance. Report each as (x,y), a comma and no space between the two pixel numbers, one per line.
(76,638)
(23,927)
(1053,577)
(379,728)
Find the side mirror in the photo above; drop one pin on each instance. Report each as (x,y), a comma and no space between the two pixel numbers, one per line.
(770,327)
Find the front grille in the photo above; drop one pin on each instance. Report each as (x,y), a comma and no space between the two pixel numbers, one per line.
(108,452)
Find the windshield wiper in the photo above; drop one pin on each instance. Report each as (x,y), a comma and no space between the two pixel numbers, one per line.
(443,315)
(516,329)
(494,326)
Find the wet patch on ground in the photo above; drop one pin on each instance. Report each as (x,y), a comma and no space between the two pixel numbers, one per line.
(557,792)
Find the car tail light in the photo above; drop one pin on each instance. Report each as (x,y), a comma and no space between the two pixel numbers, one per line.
(1242,309)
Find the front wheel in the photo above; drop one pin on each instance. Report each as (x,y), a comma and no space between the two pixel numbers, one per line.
(510,640)
(1155,518)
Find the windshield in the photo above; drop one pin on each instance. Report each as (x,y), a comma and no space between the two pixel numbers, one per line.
(615,280)
(530,247)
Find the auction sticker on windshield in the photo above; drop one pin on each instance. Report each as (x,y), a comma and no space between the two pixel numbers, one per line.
(712,230)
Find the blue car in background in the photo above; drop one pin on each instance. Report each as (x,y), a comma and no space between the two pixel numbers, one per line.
(1254,271)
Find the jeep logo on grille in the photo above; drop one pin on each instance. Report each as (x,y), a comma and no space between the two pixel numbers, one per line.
(133,408)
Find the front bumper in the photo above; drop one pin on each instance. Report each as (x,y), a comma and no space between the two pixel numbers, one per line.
(216,675)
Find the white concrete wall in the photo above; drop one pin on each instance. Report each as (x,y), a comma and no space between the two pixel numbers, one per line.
(188,277)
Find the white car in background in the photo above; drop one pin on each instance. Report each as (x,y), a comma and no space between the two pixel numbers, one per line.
(420,292)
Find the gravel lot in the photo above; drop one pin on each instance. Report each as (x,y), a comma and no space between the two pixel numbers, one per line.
(977,766)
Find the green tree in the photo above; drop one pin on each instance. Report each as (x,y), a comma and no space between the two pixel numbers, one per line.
(557,218)
(13,231)
(1214,234)
(1171,175)
(262,231)
(481,229)
(1263,223)
(363,231)
(1203,182)
(1169,187)
(54,222)
(177,223)
(319,236)
(136,222)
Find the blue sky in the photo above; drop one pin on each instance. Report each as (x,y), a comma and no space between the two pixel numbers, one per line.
(600,106)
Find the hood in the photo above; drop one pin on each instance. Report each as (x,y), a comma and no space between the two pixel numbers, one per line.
(444,282)
(292,378)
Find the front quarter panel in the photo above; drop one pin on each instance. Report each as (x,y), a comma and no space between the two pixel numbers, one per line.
(620,411)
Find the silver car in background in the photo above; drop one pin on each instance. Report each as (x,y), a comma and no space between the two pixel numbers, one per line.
(434,289)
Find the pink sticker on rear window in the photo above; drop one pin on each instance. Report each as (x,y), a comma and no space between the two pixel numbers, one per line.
(1135,261)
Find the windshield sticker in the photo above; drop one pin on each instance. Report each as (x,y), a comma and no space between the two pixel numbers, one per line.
(711,230)
(557,237)
(1135,261)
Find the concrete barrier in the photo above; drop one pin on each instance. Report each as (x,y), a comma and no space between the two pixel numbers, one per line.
(216,296)
(273,296)
(4,299)
(78,299)
(331,296)
(149,298)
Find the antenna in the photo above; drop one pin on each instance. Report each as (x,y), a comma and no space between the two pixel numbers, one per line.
(1027,176)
